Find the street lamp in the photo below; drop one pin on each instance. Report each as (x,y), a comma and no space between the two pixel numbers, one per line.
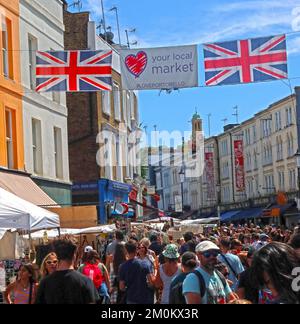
(182,179)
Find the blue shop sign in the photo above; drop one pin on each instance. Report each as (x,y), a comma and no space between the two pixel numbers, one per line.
(85,186)
(111,192)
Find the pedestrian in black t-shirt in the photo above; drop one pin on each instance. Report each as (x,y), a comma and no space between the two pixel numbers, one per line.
(66,286)
(136,278)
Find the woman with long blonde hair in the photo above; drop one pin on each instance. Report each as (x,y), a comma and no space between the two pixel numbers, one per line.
(49,264)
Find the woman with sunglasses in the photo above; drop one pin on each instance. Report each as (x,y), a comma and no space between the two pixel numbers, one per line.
(49,265)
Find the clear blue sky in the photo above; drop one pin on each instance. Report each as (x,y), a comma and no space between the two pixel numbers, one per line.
(177,22)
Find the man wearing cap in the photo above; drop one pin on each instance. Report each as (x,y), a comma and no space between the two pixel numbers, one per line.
(217,290)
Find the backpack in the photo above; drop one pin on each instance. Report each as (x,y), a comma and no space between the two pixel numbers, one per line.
(176,295)
(94,273)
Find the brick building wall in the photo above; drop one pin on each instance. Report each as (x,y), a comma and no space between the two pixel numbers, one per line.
(82,109)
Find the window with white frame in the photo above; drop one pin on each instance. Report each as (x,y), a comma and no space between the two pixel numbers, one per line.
(58,156)
(37,146)
(290,145)
(158,180)
(255,157)
(224,148)
(5,24)
(128,110)
(248,136)
(10,121)
(281,180)
(254,133)
(124,100)
(119,161)
(279,148)
(117,104)
(269,183)
(256,185)
(278,121)
(166,180)
(55,94)
(108,158)
(266,127)
(225,170)
(32,47)
(292,179)
(226,193)
(267,154)
(289,116)
(248,162)
(132,106)
(250,188)
(106,102)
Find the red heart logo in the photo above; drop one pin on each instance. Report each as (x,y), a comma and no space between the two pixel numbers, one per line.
(136,64)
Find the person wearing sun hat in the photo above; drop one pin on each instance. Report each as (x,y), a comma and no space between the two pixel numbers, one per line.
(171,252)
(168,271)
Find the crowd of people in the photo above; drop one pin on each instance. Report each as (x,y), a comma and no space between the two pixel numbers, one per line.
(229,264)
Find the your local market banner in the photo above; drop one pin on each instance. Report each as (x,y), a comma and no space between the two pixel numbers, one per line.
(160,68)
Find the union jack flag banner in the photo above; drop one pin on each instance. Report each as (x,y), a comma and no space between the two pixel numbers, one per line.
(245,61)
(73,71)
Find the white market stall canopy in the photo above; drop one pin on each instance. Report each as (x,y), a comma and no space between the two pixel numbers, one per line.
(162,219)
(52,233)
(16,213)
(200,221)
(98,229)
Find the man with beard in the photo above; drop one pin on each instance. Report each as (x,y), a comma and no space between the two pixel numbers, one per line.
(217,290)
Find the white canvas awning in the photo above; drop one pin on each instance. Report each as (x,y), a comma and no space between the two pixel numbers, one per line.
(16,213)
(98,229)
(200,221)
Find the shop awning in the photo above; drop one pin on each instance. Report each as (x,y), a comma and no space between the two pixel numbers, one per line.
(24,187)
(227,216)
(248,214)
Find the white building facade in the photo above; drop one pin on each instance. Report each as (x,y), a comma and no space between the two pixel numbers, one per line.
(44,114)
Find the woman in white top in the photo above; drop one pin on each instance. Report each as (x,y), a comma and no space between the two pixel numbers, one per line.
(168,271)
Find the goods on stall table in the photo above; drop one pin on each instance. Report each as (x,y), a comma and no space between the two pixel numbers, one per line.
(194,228)
(11,268)
(175,234)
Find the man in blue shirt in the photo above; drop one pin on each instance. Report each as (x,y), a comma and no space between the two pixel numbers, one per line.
(135,275)
(232,262)
(217,290)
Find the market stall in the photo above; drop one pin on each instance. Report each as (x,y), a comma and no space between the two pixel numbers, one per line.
(18,215)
